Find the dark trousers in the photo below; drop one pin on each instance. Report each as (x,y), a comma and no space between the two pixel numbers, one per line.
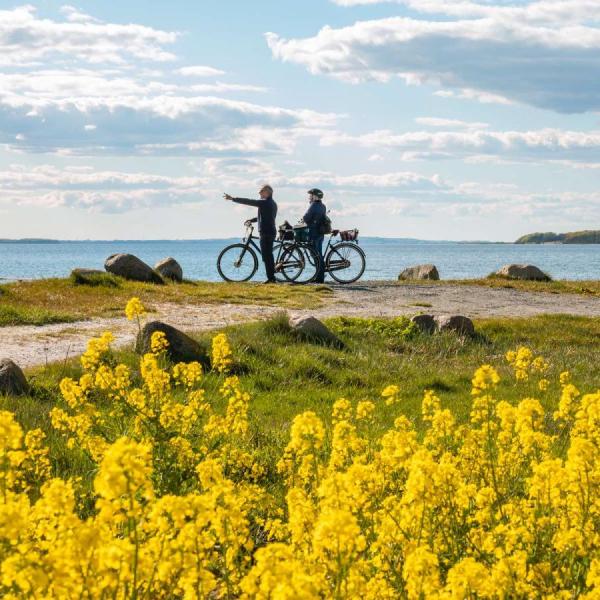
(266,249)
(317,244)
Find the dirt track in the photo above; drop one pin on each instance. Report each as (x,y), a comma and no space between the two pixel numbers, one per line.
(29,345)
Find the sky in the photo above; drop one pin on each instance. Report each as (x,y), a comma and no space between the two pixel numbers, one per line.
(431,119)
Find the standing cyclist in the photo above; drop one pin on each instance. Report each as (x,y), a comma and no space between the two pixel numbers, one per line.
(315,220)
(267,212)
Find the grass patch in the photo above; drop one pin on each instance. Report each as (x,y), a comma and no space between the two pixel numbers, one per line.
(286,375)
(25,315)
(584,287)
(95,279)
(106,296)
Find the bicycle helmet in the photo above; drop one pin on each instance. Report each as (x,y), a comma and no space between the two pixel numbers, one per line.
(316,192)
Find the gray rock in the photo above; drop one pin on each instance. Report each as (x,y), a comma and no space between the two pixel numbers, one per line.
(312,329)
(12,380)
(527,272)
(182,348)
(420,272)
(131,267)
(93,277)
(457,323)
(87,272)
(169,268)
(425,323)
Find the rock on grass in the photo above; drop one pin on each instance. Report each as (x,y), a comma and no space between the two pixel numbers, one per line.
(131,267)
(524,272)
(93,277)
(182,348)
(456,323)
(423,272)
(169,268)
(311,329)
(12,379)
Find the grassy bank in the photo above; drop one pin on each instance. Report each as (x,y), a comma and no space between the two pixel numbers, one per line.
(286,376)
(585,287)
(47,301)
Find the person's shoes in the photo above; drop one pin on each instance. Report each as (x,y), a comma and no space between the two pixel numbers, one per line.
(270,281)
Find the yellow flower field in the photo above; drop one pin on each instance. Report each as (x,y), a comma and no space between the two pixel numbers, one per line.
(506,505)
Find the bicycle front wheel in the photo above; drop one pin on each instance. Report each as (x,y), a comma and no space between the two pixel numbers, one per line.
(299,264)
(237,263)
(345,262)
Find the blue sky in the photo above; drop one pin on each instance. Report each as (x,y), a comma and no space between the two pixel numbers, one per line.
(418,118)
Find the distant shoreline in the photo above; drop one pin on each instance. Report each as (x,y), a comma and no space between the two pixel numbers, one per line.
(226,239)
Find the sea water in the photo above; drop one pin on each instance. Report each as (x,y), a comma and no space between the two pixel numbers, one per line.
(386,258)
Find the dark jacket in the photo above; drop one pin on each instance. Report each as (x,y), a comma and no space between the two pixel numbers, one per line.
(267,213)
(314,218)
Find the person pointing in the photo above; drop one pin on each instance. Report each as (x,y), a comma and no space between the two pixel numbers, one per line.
(267,229)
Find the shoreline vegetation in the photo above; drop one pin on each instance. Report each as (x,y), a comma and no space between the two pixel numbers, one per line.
(589,236)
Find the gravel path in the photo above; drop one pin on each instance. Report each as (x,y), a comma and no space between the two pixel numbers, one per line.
(30,345)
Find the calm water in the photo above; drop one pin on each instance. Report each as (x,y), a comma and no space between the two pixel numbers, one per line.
(385,258)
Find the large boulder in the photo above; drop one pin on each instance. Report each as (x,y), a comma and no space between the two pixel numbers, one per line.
(424,323)
(12,380)
(314,330)
(182,348)
(420,272)
(456,323)
(131,267)
(527,272)
(169,268)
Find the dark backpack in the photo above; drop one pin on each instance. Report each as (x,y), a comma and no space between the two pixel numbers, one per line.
(326,226)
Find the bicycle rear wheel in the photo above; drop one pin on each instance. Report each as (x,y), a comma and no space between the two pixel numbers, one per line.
(345,262)
(237,263)
(300,264)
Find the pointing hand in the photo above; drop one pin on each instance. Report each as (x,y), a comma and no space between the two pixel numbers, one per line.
(227,197)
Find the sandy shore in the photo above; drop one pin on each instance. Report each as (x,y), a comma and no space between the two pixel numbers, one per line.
(29,345)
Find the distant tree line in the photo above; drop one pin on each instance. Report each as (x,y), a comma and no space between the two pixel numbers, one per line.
(573,237)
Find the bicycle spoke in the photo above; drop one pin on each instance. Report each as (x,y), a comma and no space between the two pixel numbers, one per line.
(345,262)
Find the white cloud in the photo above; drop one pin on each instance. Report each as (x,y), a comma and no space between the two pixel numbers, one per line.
(74,15)
(26,38)
(531,11)
(100,191)
(71,105)
(545,54)
(449,123)
(200,71)
(365,183)
(536,145)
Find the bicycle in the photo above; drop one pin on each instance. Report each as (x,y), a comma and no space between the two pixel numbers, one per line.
(294,262)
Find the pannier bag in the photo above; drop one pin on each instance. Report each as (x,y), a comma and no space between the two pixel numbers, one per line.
(350,235)
(302,233)
(325,225)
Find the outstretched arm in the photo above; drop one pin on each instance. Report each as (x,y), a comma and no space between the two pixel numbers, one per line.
(247,201)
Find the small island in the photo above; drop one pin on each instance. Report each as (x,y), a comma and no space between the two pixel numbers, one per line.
(28,241)
(573,237)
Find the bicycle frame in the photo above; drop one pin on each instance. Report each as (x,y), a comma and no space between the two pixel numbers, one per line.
(249,238)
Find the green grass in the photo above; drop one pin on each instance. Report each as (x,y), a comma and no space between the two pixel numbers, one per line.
(286,375)
(585,287)
(34,302)
(26,315)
